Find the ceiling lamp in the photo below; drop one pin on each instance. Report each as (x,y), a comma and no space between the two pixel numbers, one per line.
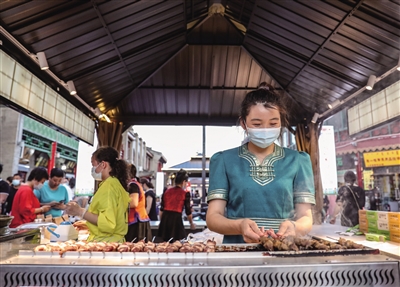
(315,118)
(105,117)
(371,82)
(42,61)
(334,104)
(71,88)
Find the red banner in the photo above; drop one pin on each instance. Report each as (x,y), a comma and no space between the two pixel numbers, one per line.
(52,161)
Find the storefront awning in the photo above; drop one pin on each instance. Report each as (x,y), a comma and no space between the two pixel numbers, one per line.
(387,142)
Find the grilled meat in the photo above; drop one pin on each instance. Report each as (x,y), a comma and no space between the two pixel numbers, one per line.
(291,243)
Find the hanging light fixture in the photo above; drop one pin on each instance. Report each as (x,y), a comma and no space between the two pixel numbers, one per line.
(334,104)
(315,118)
(42,60)
(371,82)
(71,88)
(105,117)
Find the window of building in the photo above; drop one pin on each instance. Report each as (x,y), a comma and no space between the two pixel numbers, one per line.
(129,150)
(148,161)
(134,150)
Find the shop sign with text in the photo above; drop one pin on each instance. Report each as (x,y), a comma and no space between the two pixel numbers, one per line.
(382,158)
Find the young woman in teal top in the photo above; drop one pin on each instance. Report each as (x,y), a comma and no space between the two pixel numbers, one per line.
(260,184)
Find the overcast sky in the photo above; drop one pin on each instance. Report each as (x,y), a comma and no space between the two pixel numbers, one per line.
(179,143)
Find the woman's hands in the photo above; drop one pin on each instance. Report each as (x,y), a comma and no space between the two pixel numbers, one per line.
(250,231)
(72,208)
(287,228)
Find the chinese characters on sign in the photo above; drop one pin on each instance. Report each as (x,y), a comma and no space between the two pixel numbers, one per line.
(382,158)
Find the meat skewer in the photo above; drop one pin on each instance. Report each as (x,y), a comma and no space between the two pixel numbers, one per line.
(149,247)
(289,243)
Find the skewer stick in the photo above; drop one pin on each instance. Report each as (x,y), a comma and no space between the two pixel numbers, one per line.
(169,241)
(133,239)
(153,239)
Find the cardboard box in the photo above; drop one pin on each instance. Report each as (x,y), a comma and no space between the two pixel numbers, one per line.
(383,226)
(362,213)
(395,237)
(383,216)
(372,230)
(363,227)
(362,217)
(58,220)
(394,217)
(363,221)
(373,223)
(394,228)
(372,215)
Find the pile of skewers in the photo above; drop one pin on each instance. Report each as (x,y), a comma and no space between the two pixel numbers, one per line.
(140,246)
(272,242)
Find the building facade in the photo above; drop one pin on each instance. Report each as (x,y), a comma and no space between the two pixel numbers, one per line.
(26,144)
(374,155)
(148,162)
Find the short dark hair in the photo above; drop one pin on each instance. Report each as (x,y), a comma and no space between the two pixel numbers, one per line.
(56,172)
(146,182)
(270,99)
(119,168)
(38,173)
(17,174)
(1,167)
(132,170)
(181,176)
(350,177)
(72,182)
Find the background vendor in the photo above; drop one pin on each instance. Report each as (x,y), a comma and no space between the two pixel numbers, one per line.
(107,216)
(53,193)
(26,206)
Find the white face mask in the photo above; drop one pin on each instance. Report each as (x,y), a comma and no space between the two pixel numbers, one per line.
(96,175)
(16,182)
(38,186)
(263,137)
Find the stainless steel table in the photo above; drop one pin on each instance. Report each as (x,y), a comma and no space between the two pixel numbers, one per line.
(200,226)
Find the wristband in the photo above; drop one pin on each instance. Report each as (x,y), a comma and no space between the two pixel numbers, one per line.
(83,213)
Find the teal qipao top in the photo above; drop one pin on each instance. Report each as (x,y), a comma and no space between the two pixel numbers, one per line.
(265,193)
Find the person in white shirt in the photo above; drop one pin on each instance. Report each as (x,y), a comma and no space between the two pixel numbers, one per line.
(71,193)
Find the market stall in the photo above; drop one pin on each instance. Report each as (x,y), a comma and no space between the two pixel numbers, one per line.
(23,266)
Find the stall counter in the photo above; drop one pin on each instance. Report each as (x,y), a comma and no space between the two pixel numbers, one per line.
(331,231)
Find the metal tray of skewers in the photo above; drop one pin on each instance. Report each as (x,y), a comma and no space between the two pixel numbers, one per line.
(314,246)
(275,247)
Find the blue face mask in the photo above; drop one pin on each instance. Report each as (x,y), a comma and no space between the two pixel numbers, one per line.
(38,186)
(16,182)
(264,137)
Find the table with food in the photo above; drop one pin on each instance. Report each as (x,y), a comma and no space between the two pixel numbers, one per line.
(322,258)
